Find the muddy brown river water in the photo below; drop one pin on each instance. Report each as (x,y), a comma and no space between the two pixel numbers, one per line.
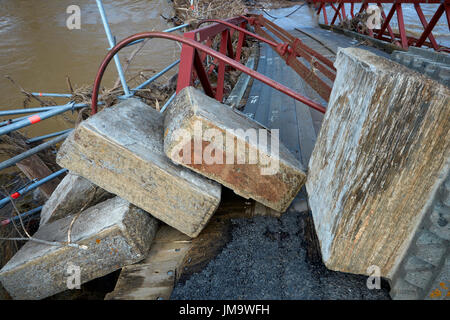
(38,50)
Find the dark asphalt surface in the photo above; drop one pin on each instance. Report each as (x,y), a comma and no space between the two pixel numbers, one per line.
(266,259)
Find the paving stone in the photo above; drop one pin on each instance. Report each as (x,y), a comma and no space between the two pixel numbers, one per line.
(403,290)
(419,278)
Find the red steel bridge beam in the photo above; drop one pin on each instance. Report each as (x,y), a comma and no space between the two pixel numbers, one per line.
(289,49)
(279,47)
(195,56)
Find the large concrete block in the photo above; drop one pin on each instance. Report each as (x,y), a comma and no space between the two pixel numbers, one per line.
(72,195)
(115,232)
(219,143)
(120,149)
(380,156)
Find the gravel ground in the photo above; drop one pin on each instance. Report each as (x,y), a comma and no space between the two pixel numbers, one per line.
(266,259)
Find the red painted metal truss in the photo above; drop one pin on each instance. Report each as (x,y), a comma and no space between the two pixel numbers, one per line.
(196,48)
(386,33)
(289,48)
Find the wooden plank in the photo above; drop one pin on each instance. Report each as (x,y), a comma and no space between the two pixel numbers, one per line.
(175,257)
(34,168)
(154,277)
(255,91)
(261,114)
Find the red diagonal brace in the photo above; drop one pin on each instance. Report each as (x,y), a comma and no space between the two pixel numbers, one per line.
(425,25)
(337,13)
(202,75)
(383,15)
(401,25)
(386,22)
(430,26)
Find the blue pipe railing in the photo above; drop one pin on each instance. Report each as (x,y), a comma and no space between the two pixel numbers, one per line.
(22,216)
(50,135)
(54,95)
(167,103)
(28,153)
(112,43)
(31,187)
(35,119)
(156,76)
(10,121)
(38,109)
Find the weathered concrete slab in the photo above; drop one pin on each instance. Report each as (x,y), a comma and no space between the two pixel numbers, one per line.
(120,149)
(221,144)
(115,232)
(72,195)
(154,277)
(383,149)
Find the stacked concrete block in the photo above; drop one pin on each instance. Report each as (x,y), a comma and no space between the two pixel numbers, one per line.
(434,65)
(109,235)
(72,195)
(120,149)
(212,139)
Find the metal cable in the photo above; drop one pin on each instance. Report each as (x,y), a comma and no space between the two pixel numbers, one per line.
(285,16)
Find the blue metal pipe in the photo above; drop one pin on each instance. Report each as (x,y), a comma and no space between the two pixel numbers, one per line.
(156,76)
(34,119)
(31,187)
(21,216)
(28,153)
(167,30)
(167,103)
(112,43)
(38,109)
(56,95)
(176,28)
(50,135)
(6,122)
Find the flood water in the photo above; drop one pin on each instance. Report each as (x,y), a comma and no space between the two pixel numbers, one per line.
(38,51)
(412,23)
